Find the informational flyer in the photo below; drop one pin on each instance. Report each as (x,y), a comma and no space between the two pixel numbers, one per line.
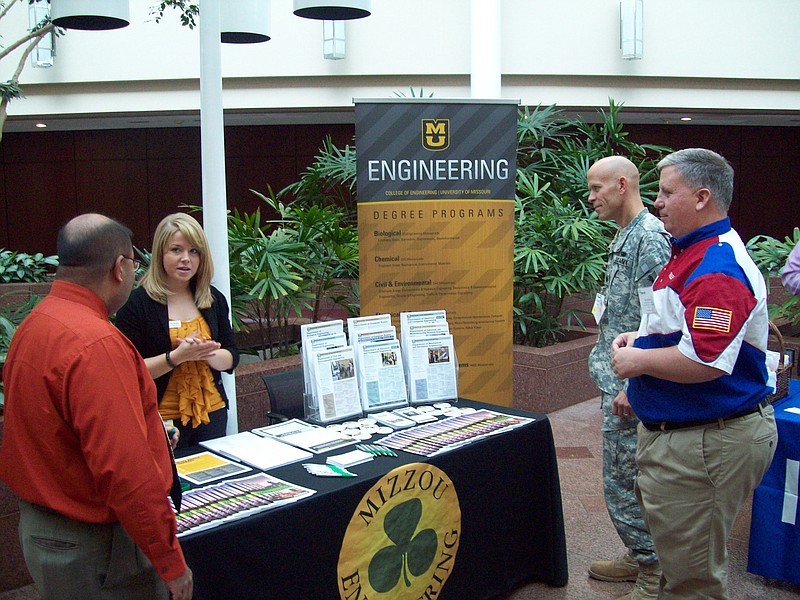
(431,369)
(436,188)
(319,336)
(335,387)
(356,325)
(381,375)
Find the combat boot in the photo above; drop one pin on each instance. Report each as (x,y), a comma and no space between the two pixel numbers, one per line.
(647,583)
(622,568)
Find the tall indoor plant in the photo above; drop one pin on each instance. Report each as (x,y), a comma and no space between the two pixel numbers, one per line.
(560,245)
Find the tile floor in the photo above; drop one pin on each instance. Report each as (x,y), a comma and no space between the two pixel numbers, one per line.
(589,532)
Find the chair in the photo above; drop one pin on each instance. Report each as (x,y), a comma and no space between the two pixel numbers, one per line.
(285,391)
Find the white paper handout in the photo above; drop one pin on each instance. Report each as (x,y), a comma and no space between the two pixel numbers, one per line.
(259,452)
(431,369)
(381,376)
(356,325)
(335,387)
(319,336)
(410,323)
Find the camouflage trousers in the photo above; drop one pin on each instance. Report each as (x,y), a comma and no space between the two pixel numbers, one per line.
(619,472)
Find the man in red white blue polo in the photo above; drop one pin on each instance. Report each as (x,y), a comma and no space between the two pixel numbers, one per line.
(698,379)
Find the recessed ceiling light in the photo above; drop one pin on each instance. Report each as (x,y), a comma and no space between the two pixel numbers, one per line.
(41,125)
(686,118)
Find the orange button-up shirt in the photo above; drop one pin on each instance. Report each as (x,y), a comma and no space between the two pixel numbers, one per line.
(82,431)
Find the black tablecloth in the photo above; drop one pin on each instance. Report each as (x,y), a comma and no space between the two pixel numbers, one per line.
(512,525)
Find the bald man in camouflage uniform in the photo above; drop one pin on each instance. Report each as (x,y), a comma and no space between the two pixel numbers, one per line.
(636,255)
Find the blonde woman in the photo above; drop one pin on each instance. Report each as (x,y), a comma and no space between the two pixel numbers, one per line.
(179,323)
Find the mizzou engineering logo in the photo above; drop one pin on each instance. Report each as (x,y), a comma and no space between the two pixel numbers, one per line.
(435,134)
(403,537)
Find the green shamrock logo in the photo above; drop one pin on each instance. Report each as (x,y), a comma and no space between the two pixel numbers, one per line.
(410,553)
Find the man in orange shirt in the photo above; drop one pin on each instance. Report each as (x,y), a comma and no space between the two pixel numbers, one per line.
(84,447)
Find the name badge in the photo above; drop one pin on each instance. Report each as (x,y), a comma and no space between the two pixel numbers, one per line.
(646,301)
(599,307)
(174,324)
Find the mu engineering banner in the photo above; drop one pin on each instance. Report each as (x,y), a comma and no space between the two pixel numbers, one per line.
(436,183)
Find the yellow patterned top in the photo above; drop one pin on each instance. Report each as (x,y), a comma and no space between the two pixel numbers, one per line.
(191,393)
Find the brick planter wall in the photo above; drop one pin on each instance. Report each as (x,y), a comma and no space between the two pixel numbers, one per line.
(551,378)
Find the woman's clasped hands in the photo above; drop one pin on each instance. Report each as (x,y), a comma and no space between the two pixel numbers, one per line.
(195,347)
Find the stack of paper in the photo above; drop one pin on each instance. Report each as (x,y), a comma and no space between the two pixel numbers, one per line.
(429,355)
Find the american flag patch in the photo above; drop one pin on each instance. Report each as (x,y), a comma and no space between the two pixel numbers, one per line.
(716,319)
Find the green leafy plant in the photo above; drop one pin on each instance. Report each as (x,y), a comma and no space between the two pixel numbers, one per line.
(18,267)
(284,265)
(265,270)
(560,246)
(770,256)
(410,552)
(330,180)
(559,251)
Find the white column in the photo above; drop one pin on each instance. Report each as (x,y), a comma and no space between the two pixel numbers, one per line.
(212,145)
(485,66)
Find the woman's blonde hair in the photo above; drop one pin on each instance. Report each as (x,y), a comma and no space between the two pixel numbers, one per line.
(155,279)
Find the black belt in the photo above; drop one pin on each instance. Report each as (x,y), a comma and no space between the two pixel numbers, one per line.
(671,425)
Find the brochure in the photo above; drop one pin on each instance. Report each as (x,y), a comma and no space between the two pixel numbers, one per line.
(318,336)
(431,369)
(334,384)
(356,325)
(381,377)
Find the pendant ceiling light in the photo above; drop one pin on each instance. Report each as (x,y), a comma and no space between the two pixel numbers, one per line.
(245,22)
(92,15)
(332,10)
(631,20)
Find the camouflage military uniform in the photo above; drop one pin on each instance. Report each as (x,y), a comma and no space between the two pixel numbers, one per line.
(636,255)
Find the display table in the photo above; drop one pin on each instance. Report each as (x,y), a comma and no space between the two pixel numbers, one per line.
(511,526)
(775,524)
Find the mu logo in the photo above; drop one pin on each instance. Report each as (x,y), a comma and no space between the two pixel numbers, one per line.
(435,134)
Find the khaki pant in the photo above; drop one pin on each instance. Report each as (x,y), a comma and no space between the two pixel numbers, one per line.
(691,484)
(69,559)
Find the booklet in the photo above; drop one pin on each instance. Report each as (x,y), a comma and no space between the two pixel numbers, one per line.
(260,452)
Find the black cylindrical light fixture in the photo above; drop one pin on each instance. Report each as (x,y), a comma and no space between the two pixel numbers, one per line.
(93,15)
(332,10)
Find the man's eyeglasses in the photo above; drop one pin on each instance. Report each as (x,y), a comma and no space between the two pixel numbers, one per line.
(135,262)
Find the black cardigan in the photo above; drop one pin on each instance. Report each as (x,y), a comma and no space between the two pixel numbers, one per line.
(146,323)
